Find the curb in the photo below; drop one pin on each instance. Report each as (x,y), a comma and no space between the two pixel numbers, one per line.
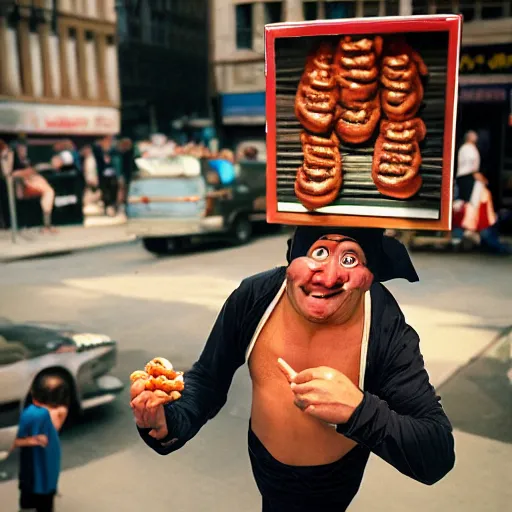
(49,253)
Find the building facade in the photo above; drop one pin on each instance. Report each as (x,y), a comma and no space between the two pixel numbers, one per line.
(164,65)
(485,78)
(485,97)
(58,69)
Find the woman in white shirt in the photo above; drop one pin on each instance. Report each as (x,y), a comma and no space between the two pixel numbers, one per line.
(468,166)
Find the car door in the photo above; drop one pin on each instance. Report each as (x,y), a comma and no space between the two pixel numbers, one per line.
(12,369)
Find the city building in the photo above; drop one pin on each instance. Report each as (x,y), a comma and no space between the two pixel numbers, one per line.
(164,66)
(58,70)
(486,66)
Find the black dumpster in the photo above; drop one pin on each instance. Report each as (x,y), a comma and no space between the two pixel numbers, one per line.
(68,205)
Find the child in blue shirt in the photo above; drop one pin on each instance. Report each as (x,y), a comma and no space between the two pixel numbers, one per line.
(38,439)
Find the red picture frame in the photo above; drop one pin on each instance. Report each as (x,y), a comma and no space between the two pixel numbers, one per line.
(452,25)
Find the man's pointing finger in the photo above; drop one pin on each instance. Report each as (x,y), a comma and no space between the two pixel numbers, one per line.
(286,369)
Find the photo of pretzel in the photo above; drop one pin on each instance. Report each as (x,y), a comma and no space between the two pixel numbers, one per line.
(160,377)
(356,69)
(317,93)
(397,158)
(402,89)
(345,89)
(319,179)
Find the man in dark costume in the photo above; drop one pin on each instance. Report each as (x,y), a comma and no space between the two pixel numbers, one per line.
(337,374)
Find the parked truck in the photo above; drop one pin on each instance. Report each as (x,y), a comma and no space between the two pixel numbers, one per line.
(174,199)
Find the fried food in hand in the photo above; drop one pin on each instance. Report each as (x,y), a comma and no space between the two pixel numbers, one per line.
(160,366)
(159,377)
(139,374)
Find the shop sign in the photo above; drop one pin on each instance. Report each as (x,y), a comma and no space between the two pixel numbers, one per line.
(484,93)
(251,104)
(486,60)
(58,119)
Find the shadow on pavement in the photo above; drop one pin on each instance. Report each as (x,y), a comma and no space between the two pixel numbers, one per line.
(478,399)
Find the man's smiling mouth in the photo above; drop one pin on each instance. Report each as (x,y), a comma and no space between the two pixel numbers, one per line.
(322,295)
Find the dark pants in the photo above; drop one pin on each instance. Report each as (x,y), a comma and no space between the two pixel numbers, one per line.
(109,186)
(326,488)
(37,502)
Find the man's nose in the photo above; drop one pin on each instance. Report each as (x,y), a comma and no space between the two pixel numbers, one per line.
(329,274)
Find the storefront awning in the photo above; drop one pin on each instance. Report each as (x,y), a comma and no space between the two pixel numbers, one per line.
(40,119)
(243,108)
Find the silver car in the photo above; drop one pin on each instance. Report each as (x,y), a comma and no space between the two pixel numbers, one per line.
(29,349)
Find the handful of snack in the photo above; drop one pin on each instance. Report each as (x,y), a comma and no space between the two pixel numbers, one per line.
(160,377)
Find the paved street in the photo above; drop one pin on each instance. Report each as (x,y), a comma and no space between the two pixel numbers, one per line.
(166,307)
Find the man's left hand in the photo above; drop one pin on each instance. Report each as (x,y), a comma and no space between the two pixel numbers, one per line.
(323,392)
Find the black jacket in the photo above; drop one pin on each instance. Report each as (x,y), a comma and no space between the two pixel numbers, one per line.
(400,418)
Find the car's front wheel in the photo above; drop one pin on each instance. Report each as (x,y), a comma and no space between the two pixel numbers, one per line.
(241,231)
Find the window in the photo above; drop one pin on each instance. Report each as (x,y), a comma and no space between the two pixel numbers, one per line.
(445,7)
(371,8)
(335,10)
(244,26)
(467,9)
(420,7)
(492,10)
(392,7)
(273,12)
(310,10)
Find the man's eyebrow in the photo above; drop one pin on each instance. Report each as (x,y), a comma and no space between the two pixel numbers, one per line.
(337,239)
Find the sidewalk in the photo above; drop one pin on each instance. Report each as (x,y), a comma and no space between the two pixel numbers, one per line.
(31,243)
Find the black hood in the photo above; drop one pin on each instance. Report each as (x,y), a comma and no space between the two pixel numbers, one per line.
(387,258)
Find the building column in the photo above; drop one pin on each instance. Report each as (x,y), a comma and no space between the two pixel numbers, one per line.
(22,33)
(100,9)
(3,51)
(63,56)
(405,8)
(258,27)
(321,10)
(101,50)
(293,10)
(359,9)
(82,67)
(44,44)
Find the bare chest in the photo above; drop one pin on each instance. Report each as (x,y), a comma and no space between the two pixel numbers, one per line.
(338,348)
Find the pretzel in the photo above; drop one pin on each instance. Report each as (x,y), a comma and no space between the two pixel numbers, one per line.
(401,72)
(319,179)
(397,158)
(357,72)
(317,94)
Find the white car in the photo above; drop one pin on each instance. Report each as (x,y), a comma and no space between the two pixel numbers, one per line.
(29,349)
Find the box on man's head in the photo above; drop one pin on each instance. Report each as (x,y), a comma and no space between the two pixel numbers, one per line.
(361,121)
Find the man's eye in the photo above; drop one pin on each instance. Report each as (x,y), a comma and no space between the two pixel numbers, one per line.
(320,253)
(349,261)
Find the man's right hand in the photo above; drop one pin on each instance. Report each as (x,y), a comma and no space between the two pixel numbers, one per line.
(148,410)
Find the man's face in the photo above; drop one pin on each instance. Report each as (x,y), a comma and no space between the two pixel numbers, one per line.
(326,285)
